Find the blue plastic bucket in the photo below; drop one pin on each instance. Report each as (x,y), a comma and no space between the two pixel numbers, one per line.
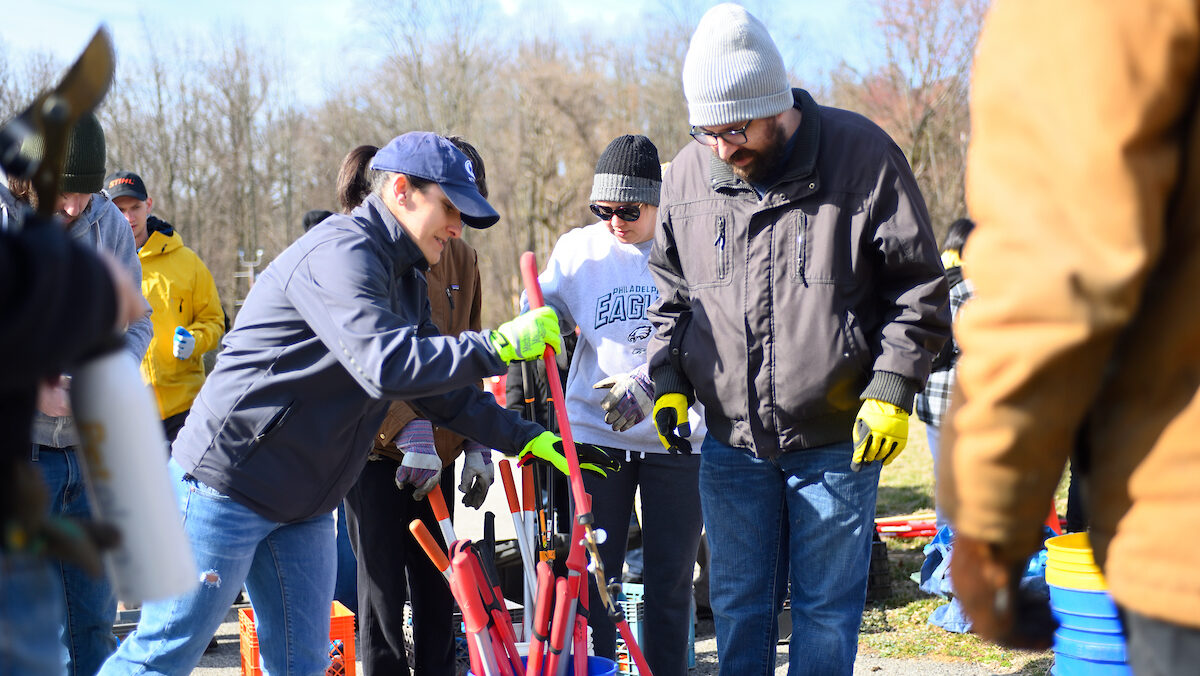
(597,666)
(1090,640)
(1085,610)
(1079,653)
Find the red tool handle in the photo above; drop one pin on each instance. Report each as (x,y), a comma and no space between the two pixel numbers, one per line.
(510,486)
(430,545)
(558,630)
(541,617)
(438,502)
(474,614)
(461,595)
(502,628)
(533,291)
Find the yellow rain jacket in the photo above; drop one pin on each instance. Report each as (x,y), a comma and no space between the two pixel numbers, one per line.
(181,290)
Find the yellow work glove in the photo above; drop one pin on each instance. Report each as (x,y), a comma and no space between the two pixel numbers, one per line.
(548,446)
(880,433)
(671,421)
(525,337)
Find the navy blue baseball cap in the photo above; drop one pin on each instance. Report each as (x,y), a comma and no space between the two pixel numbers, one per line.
(426,155)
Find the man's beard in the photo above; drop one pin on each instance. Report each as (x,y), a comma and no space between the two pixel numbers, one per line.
(765,162)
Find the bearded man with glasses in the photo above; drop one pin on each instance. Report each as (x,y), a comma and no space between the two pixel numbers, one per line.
(801,302)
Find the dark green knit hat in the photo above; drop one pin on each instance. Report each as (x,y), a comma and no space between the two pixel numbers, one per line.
(83,169)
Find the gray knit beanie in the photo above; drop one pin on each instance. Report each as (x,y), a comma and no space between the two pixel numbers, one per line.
(83,167)
(628,171)
(733,71)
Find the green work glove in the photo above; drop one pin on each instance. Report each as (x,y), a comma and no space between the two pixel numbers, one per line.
(526,336)
(671,421)
(880,433)
(548,446)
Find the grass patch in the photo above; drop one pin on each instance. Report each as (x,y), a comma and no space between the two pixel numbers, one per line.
(898,627)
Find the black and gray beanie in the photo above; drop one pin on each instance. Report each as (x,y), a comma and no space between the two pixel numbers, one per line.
(83,167)
(733,71)
(628,171)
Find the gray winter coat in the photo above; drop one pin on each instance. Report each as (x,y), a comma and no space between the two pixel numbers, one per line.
(780,314)
(102,227)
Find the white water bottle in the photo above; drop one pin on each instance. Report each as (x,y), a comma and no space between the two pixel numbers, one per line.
(124,458)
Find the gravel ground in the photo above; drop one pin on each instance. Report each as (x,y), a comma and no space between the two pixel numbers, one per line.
(225,660)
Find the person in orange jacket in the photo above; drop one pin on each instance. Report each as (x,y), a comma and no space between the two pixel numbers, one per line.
(1082,339)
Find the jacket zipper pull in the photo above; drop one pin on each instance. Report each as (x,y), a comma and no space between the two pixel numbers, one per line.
(450,296)
(801,252)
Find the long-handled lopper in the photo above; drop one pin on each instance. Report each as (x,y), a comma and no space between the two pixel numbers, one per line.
(583,504)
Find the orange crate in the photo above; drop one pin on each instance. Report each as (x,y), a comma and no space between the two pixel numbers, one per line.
(341,627)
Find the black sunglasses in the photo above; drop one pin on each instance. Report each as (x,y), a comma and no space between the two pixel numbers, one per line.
(627,213)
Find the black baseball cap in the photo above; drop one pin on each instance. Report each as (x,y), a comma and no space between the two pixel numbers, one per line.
(124,184)
(426,155)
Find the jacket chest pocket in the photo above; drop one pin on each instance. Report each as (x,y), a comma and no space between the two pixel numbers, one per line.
(706,259)
(819,247)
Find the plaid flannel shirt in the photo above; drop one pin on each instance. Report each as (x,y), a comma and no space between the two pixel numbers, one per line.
(931,404)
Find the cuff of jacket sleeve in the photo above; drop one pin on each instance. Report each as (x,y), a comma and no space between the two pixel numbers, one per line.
(893,388)
(669,381)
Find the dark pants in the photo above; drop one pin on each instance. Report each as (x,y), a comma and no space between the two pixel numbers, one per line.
(392,568)
(1157,648)
(671,524)
(173,424)
(1077,509)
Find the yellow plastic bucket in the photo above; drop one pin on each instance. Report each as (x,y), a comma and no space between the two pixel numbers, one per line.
(1069,563)
(1086,581)
(1067,567)
(1070,548)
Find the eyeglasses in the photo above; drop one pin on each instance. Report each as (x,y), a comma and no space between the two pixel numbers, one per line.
(627,213)
(709,138)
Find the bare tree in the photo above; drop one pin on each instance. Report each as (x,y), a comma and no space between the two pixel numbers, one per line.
(919,95)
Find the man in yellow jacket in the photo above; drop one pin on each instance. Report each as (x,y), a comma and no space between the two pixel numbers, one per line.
(1083,338)
(188,319)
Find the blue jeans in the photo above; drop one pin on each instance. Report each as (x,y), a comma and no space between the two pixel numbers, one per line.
(805,513)
(30,617)
(933,436)
(90,606)
(288,569)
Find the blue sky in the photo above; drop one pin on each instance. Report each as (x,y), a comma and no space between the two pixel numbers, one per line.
(315,36)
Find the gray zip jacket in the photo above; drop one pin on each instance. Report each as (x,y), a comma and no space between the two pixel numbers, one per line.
(338,324)
(102,227)
(780,314)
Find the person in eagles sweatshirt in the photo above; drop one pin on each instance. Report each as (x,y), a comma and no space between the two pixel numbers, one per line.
(598,279)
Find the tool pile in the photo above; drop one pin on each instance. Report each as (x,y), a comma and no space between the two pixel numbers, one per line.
(557,627)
